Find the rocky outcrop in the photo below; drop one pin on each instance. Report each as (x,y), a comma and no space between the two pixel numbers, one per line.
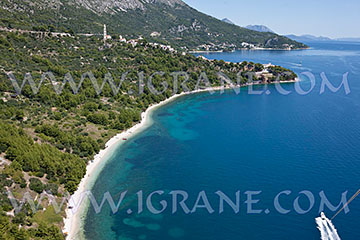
(114,6)
(96,6)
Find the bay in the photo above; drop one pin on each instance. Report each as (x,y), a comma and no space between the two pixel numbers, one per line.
(242,142)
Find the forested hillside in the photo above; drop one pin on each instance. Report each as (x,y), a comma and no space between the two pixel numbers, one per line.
(171,22)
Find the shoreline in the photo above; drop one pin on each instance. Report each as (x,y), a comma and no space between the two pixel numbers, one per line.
(74,219)
(247,49)
(74,216)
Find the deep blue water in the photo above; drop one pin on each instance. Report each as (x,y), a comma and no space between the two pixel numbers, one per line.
(231,142)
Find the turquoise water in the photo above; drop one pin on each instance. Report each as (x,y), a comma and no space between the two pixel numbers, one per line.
(268,143)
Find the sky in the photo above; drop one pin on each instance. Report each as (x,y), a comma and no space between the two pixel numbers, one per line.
(329,18)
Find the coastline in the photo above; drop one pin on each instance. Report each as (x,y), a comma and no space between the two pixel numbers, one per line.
(248,49)
(75,212)
(199,51)
(74,216)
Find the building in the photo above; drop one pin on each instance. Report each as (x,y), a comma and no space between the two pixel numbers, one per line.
(155,34)
(268,65)
(247,45)
(133,42)
(122,39)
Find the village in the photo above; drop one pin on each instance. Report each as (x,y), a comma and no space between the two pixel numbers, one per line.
(135,42)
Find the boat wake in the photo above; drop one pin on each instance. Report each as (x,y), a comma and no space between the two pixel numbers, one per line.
(326,228)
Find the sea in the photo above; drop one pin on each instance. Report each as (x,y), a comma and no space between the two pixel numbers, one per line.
(280,159)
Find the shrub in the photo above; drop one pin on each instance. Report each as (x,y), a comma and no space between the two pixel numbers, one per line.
(36,185)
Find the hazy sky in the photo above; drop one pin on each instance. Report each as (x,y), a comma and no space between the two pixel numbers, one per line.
(330,18)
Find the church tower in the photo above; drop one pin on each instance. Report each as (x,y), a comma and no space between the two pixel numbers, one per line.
(105,33)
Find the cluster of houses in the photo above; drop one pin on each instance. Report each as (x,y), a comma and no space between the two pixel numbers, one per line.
(262,76)
(135,42)
(216,47)
(163,47)
(247,45)
(265,75)
(253,46)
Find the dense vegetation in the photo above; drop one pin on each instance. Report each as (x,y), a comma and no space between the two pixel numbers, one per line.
(39,159)
(281,74)
(46,139)
(181,26)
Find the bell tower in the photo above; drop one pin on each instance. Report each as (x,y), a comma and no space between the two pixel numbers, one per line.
(105,33)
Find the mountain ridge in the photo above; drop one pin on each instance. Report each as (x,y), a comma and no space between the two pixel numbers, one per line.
(177,23)
(259,28)
(110,6)
(309,38)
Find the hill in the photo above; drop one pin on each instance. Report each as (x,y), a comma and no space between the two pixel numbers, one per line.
(259,28)
(312,38)
(174,21)
(308,38)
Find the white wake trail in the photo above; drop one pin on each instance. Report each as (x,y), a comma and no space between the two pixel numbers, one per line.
(326,228)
